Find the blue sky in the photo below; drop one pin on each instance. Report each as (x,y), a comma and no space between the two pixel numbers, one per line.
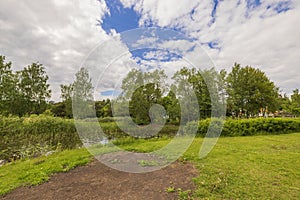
(61,34)
(119,18)
(124,16)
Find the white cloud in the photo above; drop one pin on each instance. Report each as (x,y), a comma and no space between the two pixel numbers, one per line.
(144,41)
(162,12)
(57,33)
(257,36)
(61,33)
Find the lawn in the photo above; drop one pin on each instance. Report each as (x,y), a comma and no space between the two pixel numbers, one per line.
(256,167)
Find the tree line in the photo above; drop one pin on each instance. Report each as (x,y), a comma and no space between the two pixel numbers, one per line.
(25,91)
(247,91)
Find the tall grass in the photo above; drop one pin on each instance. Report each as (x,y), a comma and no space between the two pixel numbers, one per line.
(29,136)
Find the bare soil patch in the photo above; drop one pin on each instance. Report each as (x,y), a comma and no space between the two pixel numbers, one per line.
(97,181)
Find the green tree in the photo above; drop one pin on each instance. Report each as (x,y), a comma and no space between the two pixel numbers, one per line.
(33,89)
(284,103)
(295,102)
(103,108)
(66,95)
(140,91)
(250,90)
(208,87)
(171,104)
(59,109)
(7,87)
(82,94)
(142,99)
(184,88)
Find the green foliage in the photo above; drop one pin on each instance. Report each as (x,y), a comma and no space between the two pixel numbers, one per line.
(171,189)
(82,95)
(33,135)
(147,163)
(64,109)
(142,99)
(207,85)
(171,104)
(246,127)
(142,91)
(250,90)
(103,109)
(25,91)
(295,103)
(59,109)
(33,89)
(106,119)
(184,195)
(7,86)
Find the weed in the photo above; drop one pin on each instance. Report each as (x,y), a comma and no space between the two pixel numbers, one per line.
(184,195)
(147,163)
(170,189)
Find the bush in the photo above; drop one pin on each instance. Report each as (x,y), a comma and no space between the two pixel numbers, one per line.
(245,127)
(19,135)
(34,135)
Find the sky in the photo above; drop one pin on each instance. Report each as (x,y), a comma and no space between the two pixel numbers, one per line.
(64,35)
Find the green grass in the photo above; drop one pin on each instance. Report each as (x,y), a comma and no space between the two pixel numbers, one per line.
(256,167)
(38,170)
(260,167)
(146,163)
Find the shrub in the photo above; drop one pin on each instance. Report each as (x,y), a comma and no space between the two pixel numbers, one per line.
(246,127)
(18,135)
(38,134)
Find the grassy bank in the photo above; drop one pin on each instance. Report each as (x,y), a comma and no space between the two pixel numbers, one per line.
(38,170)
(257,167)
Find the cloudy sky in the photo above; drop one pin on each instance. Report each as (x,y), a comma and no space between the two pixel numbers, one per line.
(63,34)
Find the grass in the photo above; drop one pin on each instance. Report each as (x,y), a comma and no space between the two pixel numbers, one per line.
(38,170)
(147,163)
(260,167)
(256,167)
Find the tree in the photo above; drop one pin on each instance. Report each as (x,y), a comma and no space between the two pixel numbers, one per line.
(171,104)
(23,92)
(284,103)
(59,109)
(66,92)
(82,86)
(136,78)
(184,86)
(34,89)
(7,86)
(142,100)
(208,87)
(250,90)
(295,102)
(103,108)
(140,91)
(82,94)
(66,95)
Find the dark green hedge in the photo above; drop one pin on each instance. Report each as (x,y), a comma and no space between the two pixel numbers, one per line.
(247,127)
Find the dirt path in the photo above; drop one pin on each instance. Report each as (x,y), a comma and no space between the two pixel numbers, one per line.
(97,181)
